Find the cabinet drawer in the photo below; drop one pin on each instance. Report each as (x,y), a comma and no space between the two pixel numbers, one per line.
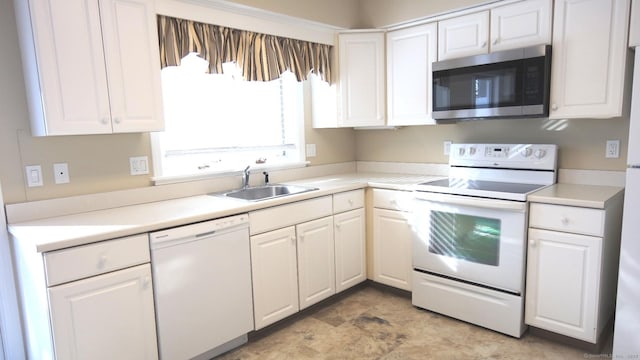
(393,199)
(290,214)
(88,260)
(349,200)
(567,218)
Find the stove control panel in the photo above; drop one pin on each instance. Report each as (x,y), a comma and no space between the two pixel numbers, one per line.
(514,156)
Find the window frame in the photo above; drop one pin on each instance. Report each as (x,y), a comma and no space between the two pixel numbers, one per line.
(299,113)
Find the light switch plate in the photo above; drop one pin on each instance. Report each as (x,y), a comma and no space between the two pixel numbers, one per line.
(446,147)
(311,150)
(139,165)
(33,174)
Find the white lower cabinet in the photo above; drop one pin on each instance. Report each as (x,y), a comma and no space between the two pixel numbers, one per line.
(274,269)
(292,268)
(350,240)
(563,301)
(109,316)
(572,261)
(93,301)
(310,255)
(316,267)
(392,237)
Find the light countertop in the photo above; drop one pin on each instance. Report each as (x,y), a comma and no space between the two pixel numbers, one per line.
(592,196)
(60,232)
(78,229)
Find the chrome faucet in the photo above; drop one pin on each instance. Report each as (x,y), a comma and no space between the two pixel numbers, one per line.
(245,177)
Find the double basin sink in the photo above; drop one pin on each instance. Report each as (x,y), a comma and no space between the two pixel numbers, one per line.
(266,192)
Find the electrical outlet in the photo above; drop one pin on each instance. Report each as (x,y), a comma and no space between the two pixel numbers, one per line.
(613,149)
(447,147)
(61,173)
(139,165)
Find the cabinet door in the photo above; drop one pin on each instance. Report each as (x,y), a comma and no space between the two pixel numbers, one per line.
(350,249)
(275,276)
(463,36)
(109,316)
(410,53)
(522,24)
(133,64)
(65,76)
(634,24)
(392,248)
(316,264)
(589,58)
(361,58)
(563,272)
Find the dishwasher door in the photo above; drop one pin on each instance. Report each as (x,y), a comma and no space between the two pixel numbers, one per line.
(202,285)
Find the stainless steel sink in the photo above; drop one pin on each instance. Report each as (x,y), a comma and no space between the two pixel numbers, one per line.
(267,192)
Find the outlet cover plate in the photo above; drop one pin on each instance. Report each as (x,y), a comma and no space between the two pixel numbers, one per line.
(139,165)
(61,173)
(613,149)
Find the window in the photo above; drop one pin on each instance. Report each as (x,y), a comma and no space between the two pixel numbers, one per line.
(216,123)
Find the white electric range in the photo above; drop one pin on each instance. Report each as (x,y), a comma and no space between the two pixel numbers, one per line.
(470,233)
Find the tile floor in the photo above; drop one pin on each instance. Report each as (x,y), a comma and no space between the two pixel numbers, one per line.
(373,323)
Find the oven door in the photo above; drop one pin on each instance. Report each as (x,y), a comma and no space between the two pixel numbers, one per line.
(478,240)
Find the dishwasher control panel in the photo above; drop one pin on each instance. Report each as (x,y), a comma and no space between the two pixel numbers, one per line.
(199,230)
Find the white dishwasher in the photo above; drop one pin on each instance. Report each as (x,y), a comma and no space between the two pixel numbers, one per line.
(202,286)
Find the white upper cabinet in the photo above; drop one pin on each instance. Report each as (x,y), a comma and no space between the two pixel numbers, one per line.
(129,32)
(589,58)
(410,52)
(521,24)
(91,66)
(511,26)
(362,80)
(463,36)
(634,29)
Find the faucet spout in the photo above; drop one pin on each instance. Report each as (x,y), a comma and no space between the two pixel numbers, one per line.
(245,177)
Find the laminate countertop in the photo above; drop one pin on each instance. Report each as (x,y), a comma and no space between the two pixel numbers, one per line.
(60,232)
(590,196)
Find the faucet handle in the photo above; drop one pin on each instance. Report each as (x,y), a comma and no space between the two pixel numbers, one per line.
(266,177)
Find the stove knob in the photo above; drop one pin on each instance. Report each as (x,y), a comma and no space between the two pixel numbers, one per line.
(526,152)
(461,151)
(472,150)
(540,153)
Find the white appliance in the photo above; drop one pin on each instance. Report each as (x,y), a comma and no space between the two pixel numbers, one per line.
(470,233)
(627,320)
(202,285)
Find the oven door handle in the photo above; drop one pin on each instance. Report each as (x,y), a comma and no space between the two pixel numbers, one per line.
(471,201)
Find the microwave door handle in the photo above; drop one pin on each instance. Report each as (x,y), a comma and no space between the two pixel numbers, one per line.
(471,201)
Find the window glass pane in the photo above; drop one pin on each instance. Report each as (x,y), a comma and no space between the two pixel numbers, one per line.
(471,238)
(219,122)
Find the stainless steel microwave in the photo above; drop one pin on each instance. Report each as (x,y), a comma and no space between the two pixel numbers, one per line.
(504,84)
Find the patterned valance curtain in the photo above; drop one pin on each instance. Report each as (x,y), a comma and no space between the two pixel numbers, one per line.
(261,57)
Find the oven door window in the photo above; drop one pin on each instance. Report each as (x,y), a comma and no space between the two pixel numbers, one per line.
(472,238)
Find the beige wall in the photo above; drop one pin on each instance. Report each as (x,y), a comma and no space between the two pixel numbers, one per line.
(340,13)
(379,13)
(100,163)
(581,141)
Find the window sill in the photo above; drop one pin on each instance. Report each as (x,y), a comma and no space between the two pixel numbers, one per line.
(165,180)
